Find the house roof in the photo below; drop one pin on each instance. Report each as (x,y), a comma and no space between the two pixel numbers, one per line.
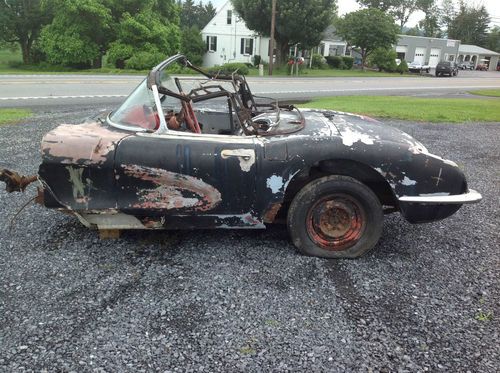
(474,49)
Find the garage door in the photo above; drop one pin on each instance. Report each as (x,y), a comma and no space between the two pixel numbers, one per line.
(401,51)
(419,55)
(434,57)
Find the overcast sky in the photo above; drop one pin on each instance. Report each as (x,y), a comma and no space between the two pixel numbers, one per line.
(346,6)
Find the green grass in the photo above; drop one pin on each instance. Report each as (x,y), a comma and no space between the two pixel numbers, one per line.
(280,71)
(8,116)
(486,92)
(453,110)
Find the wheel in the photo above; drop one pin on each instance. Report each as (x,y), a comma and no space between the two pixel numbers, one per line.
(437,74)
(335,217)
(427,71)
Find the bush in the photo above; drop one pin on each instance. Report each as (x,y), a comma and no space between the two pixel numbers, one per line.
(335,62)
(402,67)
(348,62)
(143,60)
(384,59)
(257,60)
(229,68)
(318,62)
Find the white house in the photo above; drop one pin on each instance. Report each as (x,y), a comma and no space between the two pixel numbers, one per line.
(229,40)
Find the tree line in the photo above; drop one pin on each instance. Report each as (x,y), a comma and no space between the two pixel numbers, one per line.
(138,34)
(372,28)
(134,34)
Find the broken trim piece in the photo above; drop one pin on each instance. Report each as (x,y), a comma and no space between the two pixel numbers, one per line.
(470,197)
(15,182)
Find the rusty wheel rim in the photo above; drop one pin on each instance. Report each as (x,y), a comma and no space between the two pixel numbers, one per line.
(336,222)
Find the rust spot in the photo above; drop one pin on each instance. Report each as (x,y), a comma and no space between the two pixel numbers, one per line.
(172,190)
(87,143)
(15,182)
(40,197)
(335,222)
(271,212)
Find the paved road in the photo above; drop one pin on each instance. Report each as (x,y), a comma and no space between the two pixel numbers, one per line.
(33,90)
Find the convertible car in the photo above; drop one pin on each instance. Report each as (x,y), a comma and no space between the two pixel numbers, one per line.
(204,152)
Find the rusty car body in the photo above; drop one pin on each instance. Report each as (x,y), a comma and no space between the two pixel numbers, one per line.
(204,152)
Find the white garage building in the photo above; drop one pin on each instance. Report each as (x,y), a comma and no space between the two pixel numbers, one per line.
(427,50)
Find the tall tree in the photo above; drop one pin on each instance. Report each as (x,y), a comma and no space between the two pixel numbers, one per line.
(196,15)
(368,29)
(470,24)
(493,40)
(447,14)
(401,10)
(78,34)
(21,22)
(430,24)
(297,21)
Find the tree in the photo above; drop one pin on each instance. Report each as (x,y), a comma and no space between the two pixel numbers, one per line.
(146,36)
(196,15)
(430,24)
(297,21)
(470,25)
(368,29)
(401,10)
(447,14)
(78,34)
(192,45)
(493,41)
(21,23)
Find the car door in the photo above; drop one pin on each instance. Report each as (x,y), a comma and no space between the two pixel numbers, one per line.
(207,180)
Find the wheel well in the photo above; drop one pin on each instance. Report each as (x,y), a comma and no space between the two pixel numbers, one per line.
(357,170)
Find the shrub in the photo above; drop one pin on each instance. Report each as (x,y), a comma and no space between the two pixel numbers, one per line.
(348,62)
(143,60)
(230,68)
(335,62)
(402,67)
(318,62)
(384,59)
(256,60)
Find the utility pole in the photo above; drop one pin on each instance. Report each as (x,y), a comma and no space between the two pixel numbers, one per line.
(271,42)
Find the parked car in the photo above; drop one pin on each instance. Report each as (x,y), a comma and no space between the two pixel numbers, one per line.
(467,65)
(417,67)
(204,152)
(447,67)
(482,67)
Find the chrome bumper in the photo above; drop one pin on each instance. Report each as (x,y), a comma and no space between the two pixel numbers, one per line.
(435,199)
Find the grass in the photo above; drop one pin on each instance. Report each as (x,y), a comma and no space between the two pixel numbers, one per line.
(486,92)
(453,110)
(329,73)
(9,116)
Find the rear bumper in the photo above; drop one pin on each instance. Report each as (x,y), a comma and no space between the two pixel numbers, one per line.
(432,199)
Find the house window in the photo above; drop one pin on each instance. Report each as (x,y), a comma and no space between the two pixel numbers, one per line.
(212,43)
(229,16)
(246,46)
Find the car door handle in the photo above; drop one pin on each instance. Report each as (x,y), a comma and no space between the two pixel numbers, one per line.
(245,154)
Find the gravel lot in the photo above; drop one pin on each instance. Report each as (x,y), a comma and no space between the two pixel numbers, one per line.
(426,298)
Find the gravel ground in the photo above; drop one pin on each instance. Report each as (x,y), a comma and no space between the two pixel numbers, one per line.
(425,299)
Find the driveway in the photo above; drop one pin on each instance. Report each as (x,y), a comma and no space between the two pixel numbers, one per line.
(425,299)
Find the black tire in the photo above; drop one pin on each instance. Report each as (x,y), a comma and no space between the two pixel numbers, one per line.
(335,217)
(437,74)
